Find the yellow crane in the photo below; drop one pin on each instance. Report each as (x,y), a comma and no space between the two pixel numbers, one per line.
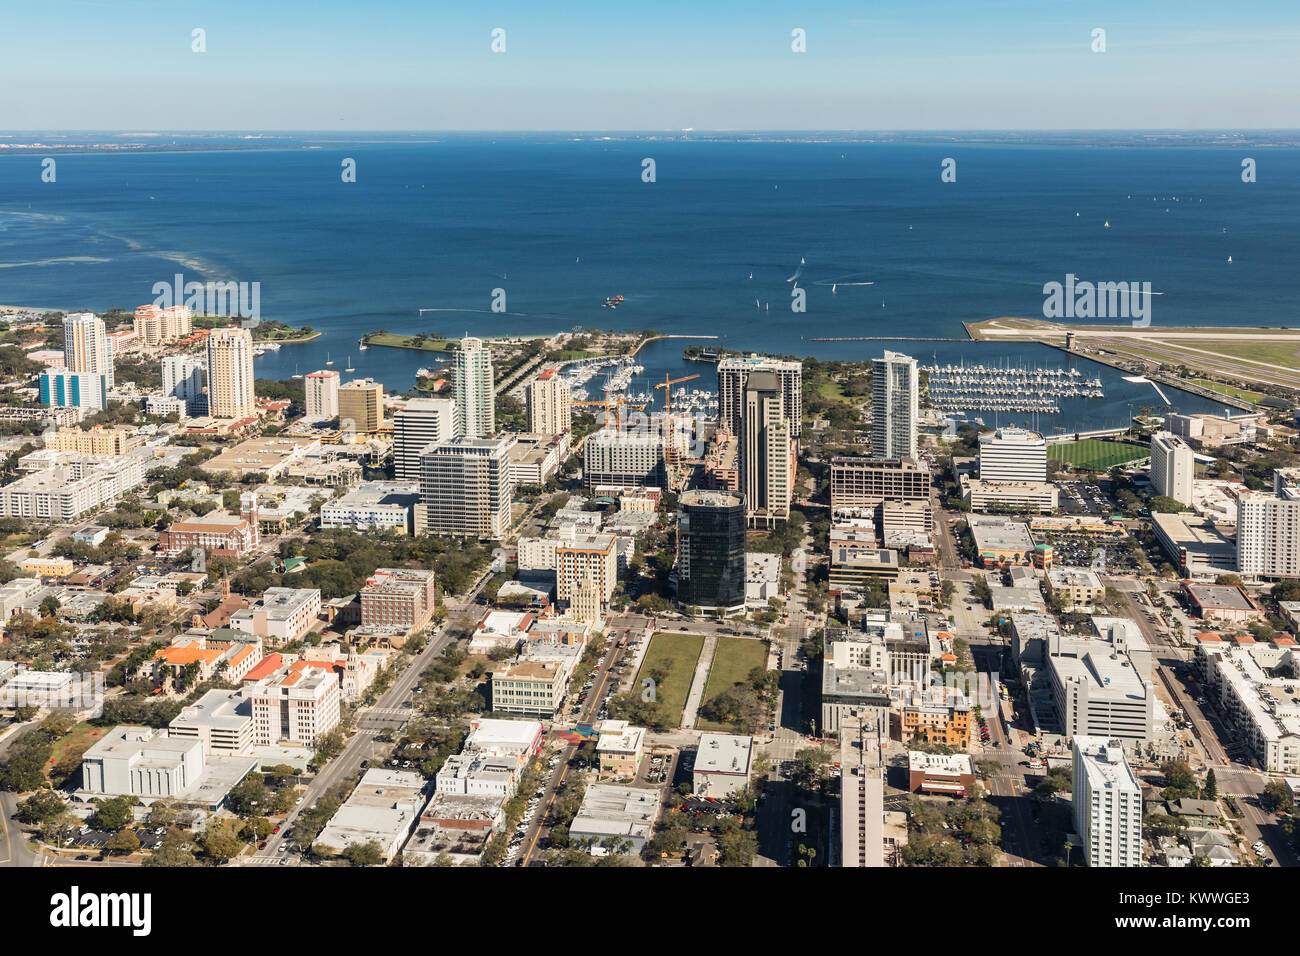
(670,451)
(614,405)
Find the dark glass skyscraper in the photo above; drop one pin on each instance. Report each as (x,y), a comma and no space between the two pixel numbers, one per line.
(711,549)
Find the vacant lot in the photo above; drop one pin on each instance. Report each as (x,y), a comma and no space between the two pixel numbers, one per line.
(1097,453)
(671,658)
(733,659)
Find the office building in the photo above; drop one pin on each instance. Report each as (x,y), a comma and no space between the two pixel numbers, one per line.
(475,389)
(60,388)
(733,377)
(1015,496)
(626,458)
(398,598)
(722,764)
(950,775)
(230,374)
(895,406)
(221,720)
(383,809)
(419,424)
(322,388)
(1107,803)
(550,404)
(1075,587)
(767,452)
(281,615)
(182,377)
(1196,546)
(868,482)
(1102,685)
(374,506)
(711,550)
(619,748)
(1013,454)
(361,407)
(1172,467)
(466,486)
(855,682)
(86,347)
(1268,535)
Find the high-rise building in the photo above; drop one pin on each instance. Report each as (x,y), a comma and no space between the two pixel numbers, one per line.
(629,458)
(423,422)
(182,377)
(733,373)
(1268,535)
(895,406)
(322,389)
(711,550)
(230,374)
(1172,467)
(1107,803)
(1013,454)
(86,347)
(767,452)
(475,395)
(60,388)
(550,404)
(466,487)
(589,559)
(361,406)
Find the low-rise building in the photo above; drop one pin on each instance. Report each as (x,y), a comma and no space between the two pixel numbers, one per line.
(1000,542)
(374,506)
(282,615)
(1221,602)
(619,748)
(1075,587)
(383,808)
(615,818)
(722,764)
(950,775)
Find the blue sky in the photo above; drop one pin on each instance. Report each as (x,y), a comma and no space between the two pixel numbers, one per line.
(661,65)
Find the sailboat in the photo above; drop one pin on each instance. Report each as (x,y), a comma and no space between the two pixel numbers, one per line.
(350,368)
(328,360)
(1229,258)
(1106,224)
(832,288)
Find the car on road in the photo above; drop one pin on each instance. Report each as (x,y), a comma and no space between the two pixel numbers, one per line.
(277,828)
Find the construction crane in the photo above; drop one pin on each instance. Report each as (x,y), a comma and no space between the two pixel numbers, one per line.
(670,449)
(614,405)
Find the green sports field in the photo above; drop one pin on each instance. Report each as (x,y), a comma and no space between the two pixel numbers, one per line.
(1097,453)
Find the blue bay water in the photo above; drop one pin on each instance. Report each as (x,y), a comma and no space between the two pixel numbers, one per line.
(561,225)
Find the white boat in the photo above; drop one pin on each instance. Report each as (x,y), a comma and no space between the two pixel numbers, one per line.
(271,346)
(328,360)
(349,368)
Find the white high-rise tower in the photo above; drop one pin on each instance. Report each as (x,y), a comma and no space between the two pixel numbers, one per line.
(475,398)
(895,406)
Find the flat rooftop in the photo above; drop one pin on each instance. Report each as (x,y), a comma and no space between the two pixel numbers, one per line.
(724,753)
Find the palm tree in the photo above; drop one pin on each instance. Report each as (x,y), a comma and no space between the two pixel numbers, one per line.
(1068,847)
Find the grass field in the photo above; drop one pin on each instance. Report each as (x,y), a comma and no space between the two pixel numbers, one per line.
(1096,453)
(733,659)
(1243,393)
(676,655)
(76,741)
(408,342)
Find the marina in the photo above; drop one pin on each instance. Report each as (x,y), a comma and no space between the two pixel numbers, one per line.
(961,388)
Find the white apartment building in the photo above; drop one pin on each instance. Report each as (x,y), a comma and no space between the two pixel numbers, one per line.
(322,388)
(295,707)
(1172,467)
(158,326)
(67,491)
(1264,710)
(475,389)
(1013,454)
(550,404)
(230,374)
(477,774)
(182,377)
(466,486)
(1268,535)
(282,615)
(1107,803)
(86,347)
(421,423)
(895,406)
